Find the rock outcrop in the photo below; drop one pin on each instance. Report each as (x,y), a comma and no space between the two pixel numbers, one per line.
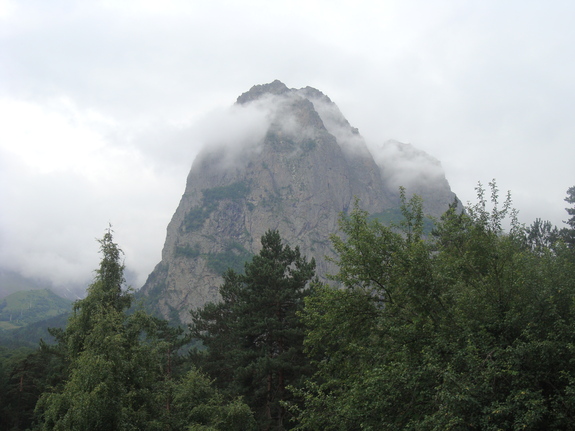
(306,166)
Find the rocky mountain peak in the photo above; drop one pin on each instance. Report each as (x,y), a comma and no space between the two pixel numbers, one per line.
(305,165)
(257,91)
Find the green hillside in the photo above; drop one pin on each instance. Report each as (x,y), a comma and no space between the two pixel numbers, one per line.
(23,308)
(30,335)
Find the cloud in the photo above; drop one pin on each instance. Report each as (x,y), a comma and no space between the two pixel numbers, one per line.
(235,132)
(348,137)
(403,165)
(61,183)
(36,238)
(103,104)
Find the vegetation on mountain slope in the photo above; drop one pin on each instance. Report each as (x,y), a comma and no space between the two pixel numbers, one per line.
(22,308)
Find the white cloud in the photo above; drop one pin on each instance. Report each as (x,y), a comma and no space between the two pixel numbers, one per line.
(62,182)
(234,131)
(103,104)
(49,138)
(403,165)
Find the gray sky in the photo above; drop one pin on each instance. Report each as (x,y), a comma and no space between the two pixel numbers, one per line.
(104,104)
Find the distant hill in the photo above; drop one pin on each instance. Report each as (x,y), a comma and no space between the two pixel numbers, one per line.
(30,335)
(23,308)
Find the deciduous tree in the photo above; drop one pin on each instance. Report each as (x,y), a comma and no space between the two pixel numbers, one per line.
(468,330)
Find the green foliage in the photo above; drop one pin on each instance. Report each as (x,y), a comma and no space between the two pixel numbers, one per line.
(197,405)
(394,217)
(196,217)
(26,375)
(187,251)
(470,330)
(234,191)
(568,233)
(30,335)
(389,217)
(234,257)
(211,198)
(116,365)
(112,370)
(541,235)
(253,337)
(571,211)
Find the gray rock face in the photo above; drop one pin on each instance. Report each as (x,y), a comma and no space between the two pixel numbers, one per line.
(306,168)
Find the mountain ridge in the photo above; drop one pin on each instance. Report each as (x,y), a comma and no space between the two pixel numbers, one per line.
(23,308)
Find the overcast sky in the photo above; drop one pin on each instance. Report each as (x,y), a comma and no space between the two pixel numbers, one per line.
(104,104)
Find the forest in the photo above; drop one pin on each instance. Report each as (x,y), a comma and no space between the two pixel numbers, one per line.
(469,325)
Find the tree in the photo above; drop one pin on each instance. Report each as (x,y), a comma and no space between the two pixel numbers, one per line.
(541,235)
(123,371)
(366,339)
(568,233)
(199,405)
(469,329)
(253,337)
(571,211)
(99,349)
(116,361)
(28,375)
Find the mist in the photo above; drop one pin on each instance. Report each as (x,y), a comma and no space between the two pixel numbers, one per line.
(105,105)
(403,165)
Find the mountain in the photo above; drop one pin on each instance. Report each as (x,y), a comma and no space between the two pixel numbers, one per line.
(294,165)
(31,334)
(26,307)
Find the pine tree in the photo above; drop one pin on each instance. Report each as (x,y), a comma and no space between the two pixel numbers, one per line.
(254,337)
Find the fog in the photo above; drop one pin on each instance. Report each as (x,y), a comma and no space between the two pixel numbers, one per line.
(105,105)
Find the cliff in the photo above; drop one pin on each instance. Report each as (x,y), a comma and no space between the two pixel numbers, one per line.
(304,166)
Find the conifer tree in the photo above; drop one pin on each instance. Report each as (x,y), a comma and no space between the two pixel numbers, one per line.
(253,336)
(113,368)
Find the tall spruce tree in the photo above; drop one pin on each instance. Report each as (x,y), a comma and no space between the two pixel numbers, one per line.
(115,360)
(254,338)
(99,349)
(119,370)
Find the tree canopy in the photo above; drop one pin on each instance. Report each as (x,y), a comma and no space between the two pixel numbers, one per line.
(119,367)
(469,329)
